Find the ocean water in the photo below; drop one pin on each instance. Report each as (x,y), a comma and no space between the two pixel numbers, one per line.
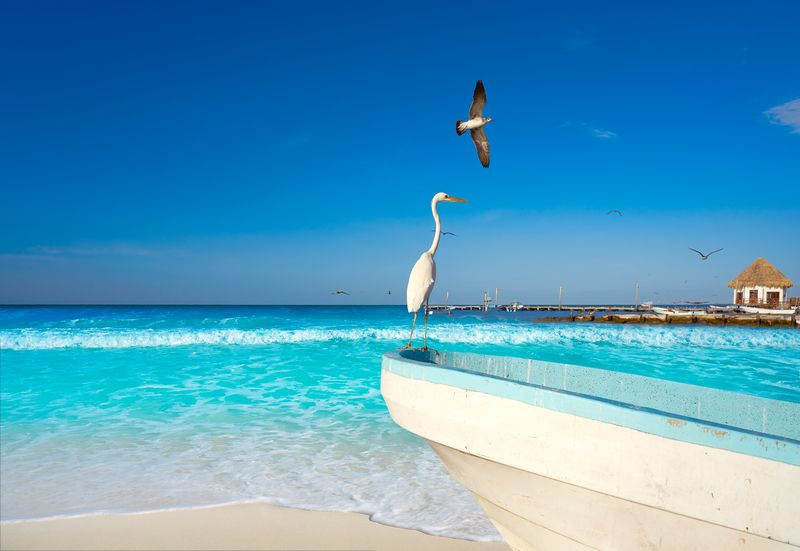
(122,409)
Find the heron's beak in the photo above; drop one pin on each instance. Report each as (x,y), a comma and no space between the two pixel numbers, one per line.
(456,199)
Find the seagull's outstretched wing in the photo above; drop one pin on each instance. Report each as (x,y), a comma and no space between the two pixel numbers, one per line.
(481,145)
(712,252)
(478,101)
(695,250)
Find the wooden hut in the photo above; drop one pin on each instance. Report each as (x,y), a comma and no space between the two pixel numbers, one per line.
(760,283)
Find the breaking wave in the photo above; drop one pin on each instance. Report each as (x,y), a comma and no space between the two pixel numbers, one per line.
(497,334)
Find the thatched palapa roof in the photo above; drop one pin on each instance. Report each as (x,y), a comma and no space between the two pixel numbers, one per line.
(760,272)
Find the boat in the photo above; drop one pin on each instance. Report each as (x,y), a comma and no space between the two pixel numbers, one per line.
(714,309)
(566,457)
(677,312)
(760,310)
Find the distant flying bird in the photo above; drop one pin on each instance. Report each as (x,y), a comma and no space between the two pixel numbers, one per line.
(340,292)
(615,211)
(704,256)
(476,123)
(423,274)
(447,233)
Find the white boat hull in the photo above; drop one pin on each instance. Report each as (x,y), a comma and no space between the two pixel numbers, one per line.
(534,512)
(552,480)
(678,313)
(776,311)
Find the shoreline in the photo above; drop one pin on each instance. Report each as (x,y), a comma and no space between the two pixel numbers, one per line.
(222,504)
(254,525)
(718,320)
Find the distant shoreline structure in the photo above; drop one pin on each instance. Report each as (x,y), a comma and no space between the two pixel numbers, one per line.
(721,320)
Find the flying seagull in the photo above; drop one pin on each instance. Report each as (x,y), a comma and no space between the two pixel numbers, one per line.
(447,233)
(475,124)
(340,292)
(615,211)
(704,256)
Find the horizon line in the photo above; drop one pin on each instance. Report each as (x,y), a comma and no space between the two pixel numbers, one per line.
(221,305)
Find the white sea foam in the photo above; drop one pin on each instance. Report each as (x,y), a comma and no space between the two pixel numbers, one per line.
(319,446)
(509,334)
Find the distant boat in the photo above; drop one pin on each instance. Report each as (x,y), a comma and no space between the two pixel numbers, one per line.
(757,310)
(677,312)
(721,309)
(574,458)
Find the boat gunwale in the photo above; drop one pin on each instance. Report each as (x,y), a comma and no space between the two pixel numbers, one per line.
(766,441)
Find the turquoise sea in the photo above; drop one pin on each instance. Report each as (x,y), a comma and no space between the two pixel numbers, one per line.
(121,409)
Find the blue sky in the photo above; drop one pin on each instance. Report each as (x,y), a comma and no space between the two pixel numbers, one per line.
(257,152)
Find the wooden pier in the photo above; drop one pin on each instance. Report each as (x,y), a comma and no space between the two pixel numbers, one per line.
(631,314)
(747,320)
(537,308)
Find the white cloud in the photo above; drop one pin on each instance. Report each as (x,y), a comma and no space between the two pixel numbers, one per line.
(599,133)
(603,134)
(787,114)
(103,249)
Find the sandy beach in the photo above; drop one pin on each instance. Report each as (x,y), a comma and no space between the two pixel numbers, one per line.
(245,526)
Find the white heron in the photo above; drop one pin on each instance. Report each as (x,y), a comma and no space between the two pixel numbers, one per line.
(423,274)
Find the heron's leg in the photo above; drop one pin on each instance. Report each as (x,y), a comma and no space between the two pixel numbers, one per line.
(425,338)
(413,323)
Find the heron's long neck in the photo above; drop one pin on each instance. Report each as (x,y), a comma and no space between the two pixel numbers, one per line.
(438,232)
